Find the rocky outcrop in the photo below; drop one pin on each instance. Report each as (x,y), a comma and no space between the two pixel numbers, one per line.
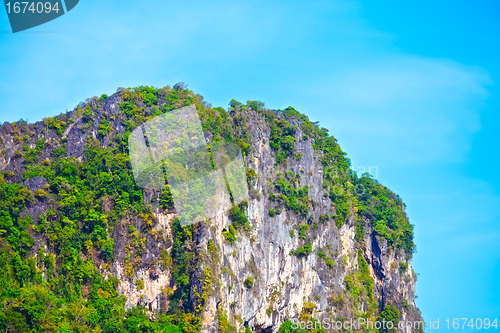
(284,285)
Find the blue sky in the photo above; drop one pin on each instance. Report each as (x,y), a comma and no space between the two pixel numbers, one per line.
(409,87)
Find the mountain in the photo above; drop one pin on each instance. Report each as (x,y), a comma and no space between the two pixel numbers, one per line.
(85,249)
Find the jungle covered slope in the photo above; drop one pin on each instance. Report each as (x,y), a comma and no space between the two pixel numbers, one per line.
(81,243)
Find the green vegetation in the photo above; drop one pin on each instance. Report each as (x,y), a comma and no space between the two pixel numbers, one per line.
(312,325)
(60,289)
(248,282)
(230,234)
(58,152)
(290,195)
(287,327)
(224,324)
(251,177)
(403,267)
(307,311)
(211,247)
(389,313)
(303,251)
(386,212)
(274,212)
(303,228)
(57,125)
(360,285)
(329,261)
(238,216)
(40,194)
(104,127)
(239,221)
(31,155)
(139,284)
(351,195)
(282,139)
(55,269)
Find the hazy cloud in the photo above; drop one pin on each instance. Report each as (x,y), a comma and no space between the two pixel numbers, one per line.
(407,109)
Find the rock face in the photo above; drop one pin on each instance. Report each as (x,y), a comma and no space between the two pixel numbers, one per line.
(283,282)
(259,280)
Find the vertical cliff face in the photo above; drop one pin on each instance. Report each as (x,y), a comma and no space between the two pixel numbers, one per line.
(313,241)
(286,285)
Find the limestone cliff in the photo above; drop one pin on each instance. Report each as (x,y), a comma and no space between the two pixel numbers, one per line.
(314,240)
